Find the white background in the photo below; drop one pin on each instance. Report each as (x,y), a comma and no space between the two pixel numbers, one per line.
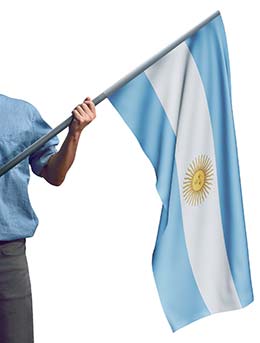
(90,258)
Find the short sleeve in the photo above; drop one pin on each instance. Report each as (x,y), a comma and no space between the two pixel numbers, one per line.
(40,158)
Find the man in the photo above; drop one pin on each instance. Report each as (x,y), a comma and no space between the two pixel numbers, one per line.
(20,126)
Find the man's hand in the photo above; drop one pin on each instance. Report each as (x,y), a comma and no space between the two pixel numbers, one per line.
(83,115)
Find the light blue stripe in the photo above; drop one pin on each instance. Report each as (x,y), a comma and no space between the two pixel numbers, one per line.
(209,49)
(141,109)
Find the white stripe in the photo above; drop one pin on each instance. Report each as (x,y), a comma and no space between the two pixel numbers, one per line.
(176,80)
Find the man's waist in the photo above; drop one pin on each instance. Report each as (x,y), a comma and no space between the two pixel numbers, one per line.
(15,240)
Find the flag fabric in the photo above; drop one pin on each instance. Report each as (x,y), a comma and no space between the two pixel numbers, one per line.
(180,111)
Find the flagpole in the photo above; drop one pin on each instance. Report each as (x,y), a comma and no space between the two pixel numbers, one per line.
(159,55)
(40,142)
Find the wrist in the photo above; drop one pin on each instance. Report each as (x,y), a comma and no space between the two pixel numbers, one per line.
(74,135)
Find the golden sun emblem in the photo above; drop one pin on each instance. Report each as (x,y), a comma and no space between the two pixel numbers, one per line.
(198,180)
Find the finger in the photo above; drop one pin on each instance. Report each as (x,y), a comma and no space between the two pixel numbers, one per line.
(77,108)
(85,107)
(81,111)
(84,114)
(88,110)
(77,115)
(91,105)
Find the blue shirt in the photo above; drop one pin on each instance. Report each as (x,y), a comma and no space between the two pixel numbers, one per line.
(20,126)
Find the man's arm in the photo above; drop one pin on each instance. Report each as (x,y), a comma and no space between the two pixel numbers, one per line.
(58,165)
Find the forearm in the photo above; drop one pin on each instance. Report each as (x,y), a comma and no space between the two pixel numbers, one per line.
(59,164)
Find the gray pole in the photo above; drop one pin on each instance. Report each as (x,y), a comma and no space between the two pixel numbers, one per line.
(40,142)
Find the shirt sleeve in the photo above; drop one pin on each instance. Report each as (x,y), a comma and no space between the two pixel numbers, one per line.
(40,158)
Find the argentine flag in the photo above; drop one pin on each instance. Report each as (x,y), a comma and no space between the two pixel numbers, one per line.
(180,111)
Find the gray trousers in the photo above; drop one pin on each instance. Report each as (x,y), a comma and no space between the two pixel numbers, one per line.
(16,317)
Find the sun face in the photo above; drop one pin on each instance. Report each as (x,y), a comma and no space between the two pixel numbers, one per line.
(198,180)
